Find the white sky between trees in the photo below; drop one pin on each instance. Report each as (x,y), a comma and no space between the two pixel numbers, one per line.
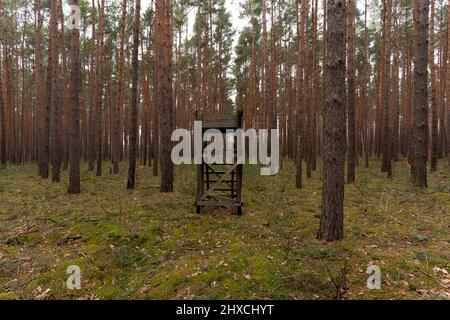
(234,7)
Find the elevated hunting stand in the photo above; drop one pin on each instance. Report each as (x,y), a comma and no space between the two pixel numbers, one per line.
(220,185)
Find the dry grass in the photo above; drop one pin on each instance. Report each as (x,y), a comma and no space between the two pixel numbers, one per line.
(146,245)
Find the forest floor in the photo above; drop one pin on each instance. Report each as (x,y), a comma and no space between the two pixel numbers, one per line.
(142,244)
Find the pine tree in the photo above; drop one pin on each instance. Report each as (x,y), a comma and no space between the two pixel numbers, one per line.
(434,102)
(116,145)
(299,101)
(163,57)
(99,85)
(351,93)
(385,88)
(419,143)
(448,86)
(39,108)
(2,100)
(332,217)
(74,154)
(134,98)
(54,94)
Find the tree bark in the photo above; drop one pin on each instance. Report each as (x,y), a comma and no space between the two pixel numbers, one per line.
(315,88)
(74,154)
(100,86)
(299,100)
(164,87)
(54,96)
(395,87)
(2,101)
(365,102)
(134,99)
(64,97)
(119,105)
(351,93)
(92,97)
(419,145)
(385,84)
(434,103)
(45,147)
(40,108)
(332,217)
(448,89)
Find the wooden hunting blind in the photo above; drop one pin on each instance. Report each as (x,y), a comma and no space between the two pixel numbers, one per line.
(220,185)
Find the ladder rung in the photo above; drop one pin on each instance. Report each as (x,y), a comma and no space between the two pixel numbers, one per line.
(223,196)
(225,181)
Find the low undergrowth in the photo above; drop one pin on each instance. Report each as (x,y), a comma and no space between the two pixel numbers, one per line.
(142,244)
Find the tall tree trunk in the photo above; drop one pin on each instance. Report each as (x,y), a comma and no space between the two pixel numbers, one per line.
(134,98)
(40,108)
(443,67)
(45,147)
(332,217)
(119,105)
(56,115)
(351,93)
(2,99)
(155,125)
(299,100)
(315,87)
(74,154)
(253,84)
(100,86)
(325,72)
(366,135)
(434,103)
(306,92)
(385,87)
(419,144)
(448,87)
(395,87)
(65,97)
(92,97)
(265,66)
(164,87)
(146,105)
(273,117)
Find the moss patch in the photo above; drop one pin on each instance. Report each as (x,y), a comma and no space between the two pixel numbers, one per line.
(142,244)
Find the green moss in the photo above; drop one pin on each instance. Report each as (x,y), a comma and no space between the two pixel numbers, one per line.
(8,296)
(125,257)
(144,244)
(109,292)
